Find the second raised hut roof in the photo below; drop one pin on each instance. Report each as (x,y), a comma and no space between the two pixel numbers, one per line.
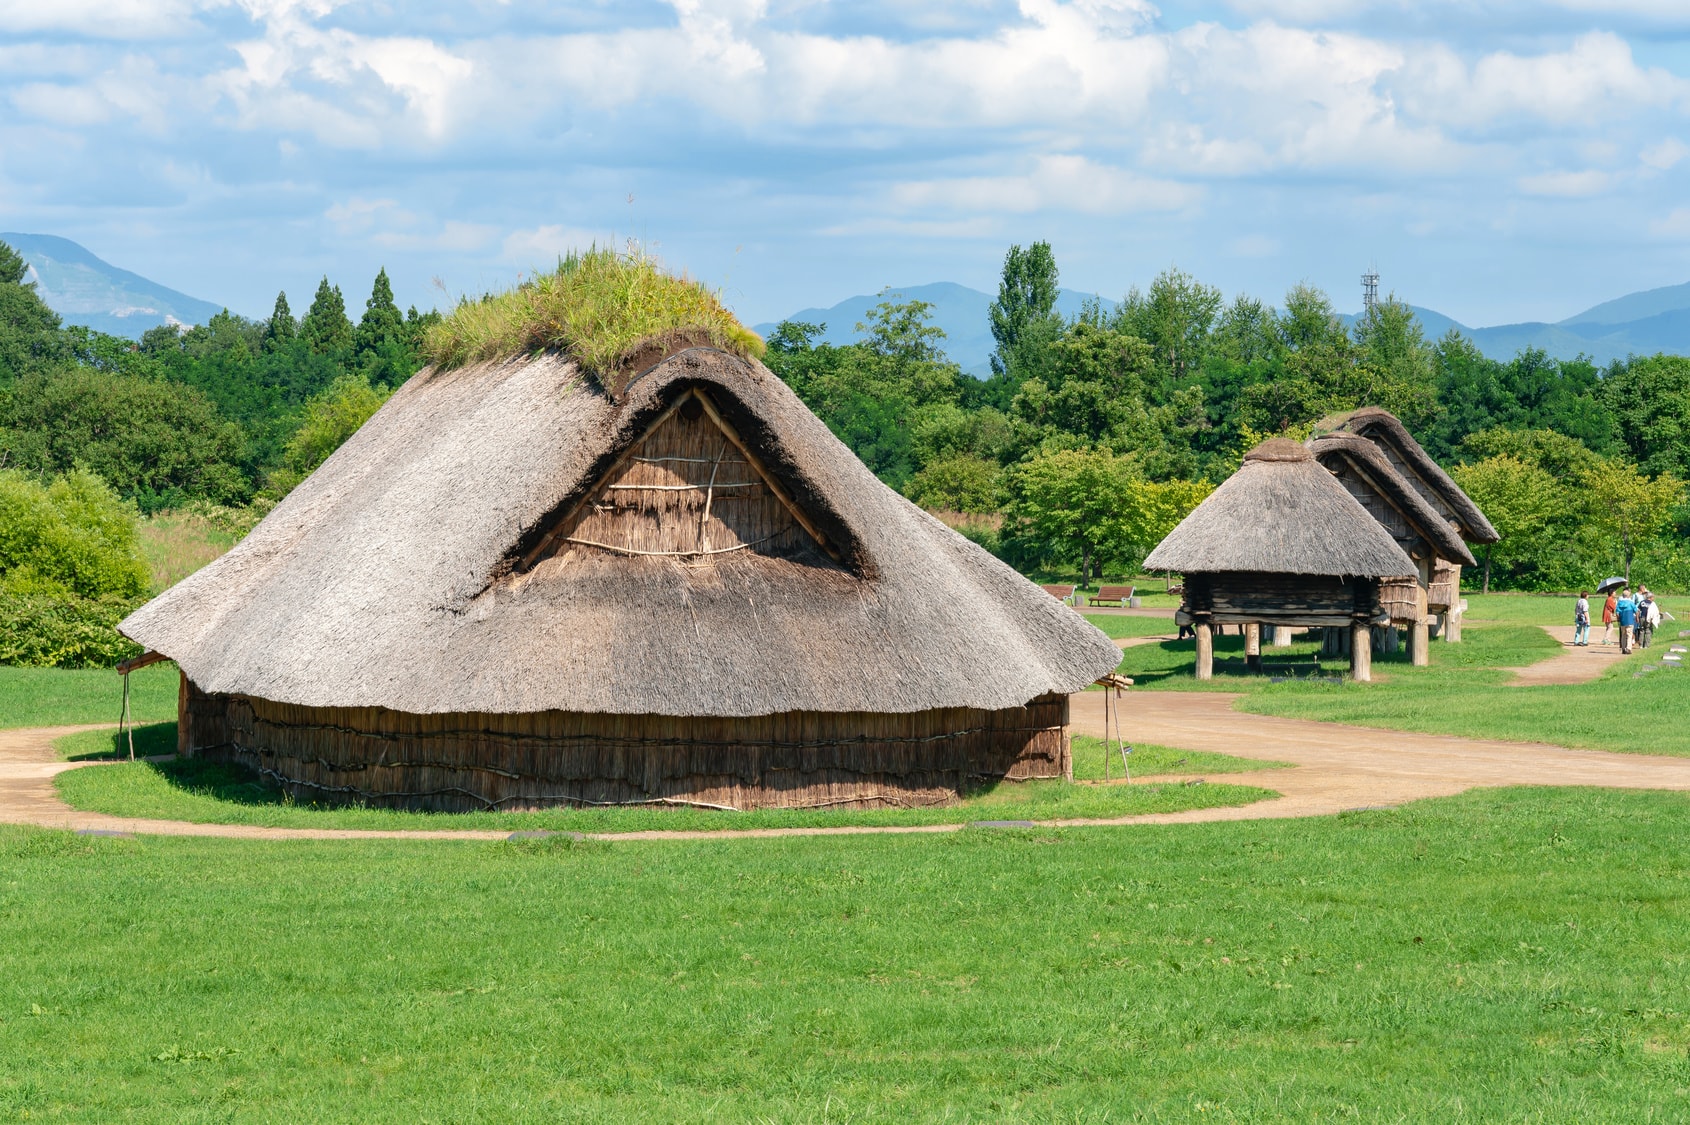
(1282,512)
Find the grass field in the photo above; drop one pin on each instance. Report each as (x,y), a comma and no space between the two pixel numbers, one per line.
(206,792)
(175,544)
(1500,956)
(38,697)
(1154,761)
(1462,692)
(1118,625)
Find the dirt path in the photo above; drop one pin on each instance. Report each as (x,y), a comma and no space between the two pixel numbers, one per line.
(1572,665)
(1338,768)
(1345,767)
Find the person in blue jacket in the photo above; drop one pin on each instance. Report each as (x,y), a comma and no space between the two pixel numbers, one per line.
(1626,610)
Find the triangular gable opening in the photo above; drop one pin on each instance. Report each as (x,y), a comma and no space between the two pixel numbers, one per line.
(688,489)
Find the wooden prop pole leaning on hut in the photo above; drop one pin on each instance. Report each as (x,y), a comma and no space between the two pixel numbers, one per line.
(1281,543)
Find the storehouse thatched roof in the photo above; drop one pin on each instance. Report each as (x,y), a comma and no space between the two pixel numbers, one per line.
(1374,469)
(1382,428)
(412,570)
(1281,513)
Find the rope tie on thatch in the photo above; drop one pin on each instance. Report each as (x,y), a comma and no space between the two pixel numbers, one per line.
(680,487)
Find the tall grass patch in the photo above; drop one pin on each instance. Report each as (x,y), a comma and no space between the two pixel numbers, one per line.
(595,307)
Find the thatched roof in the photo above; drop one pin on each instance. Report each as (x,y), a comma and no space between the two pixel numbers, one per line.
(1382,428)
(1372,466)
(412,570)
(1282,512)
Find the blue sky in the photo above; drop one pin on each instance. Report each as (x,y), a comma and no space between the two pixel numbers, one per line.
(1498,162)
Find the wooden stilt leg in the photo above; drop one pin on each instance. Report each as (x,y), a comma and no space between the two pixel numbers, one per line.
(1361,652)
(1419,640)
(1253,647)
(1205,651)
(1282,636)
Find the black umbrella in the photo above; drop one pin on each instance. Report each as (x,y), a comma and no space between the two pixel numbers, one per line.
(1610,584)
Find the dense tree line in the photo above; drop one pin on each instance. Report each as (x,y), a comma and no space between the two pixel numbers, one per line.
(224,418)
(213,413)
(1093,434)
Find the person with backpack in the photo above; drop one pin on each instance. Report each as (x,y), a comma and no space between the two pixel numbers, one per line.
(1581,620)
(1626,610)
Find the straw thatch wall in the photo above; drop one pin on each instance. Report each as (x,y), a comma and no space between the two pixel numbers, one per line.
(464,762)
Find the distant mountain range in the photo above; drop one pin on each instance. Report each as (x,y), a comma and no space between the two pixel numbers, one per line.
(86,290)
(1655,320)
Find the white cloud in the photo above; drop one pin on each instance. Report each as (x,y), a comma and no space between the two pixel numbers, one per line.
(99,19)
(1053,183)
(1595,79)
(1569,184)
(541,247)
(1664,154)
(1675,224)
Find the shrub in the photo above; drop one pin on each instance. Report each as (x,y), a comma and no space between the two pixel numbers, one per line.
(70,569)
(962,483)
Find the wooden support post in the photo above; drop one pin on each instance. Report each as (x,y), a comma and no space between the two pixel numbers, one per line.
(1205,651)
(1361,652)
(1452,622)
(1282,636)
(1419,638)
(1253,647)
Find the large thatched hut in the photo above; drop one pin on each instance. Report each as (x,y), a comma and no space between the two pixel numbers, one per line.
(1430,541)
(1415,466)
(519,586)
(1282,543)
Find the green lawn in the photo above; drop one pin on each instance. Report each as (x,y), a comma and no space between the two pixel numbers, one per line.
(1501,956)
(1152,761)
(1119,625)
(210,793)
(39,697)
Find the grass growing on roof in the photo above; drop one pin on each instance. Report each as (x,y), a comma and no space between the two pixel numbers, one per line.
(595,307)
(1511,955)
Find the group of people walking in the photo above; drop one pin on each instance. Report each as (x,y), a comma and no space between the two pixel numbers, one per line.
(1636,618)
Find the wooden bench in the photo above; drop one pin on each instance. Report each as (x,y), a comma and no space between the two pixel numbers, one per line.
(1112,595)
(1060,593)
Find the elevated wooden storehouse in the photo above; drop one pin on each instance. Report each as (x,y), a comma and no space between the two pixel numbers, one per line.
(1443,495)
(514,588)
(1430,540)
(1282,543)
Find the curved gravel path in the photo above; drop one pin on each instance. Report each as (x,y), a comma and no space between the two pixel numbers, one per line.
(1337,768)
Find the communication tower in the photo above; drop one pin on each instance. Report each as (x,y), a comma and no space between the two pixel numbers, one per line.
(1370,289)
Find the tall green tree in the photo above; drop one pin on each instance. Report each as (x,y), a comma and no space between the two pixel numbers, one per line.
(30,339)
(281,329)
(1650,398)
(154,441)
(1175,317)
(325,329)
(1024,315)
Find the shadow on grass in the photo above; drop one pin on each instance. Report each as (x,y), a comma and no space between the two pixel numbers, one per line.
(1171,663)
(151,741)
